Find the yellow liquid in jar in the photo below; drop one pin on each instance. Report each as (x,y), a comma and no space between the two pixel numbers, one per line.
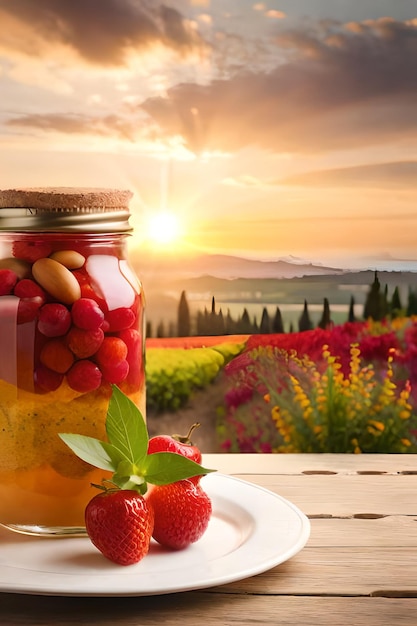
(42,482)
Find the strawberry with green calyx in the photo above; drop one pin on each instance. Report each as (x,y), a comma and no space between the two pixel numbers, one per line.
(176,443)
(182,513)
(125,454)
(120,523)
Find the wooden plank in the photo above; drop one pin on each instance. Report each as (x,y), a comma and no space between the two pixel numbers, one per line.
(393,531)
(297,463)
(345,495)
(209,608)
(338,571)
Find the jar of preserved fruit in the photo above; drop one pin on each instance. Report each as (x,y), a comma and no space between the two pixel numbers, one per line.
(71,326)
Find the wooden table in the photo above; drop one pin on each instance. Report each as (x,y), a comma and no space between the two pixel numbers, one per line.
(358,567)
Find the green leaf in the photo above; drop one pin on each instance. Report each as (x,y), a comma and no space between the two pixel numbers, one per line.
(126,428)
(114,453)
(126,452)
(126,477)
(93,451)
(161,468)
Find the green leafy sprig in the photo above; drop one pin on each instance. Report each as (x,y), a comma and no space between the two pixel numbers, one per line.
(125,454)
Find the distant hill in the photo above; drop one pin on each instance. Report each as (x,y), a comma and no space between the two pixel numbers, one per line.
(238,282)
(337,287)
(227,267)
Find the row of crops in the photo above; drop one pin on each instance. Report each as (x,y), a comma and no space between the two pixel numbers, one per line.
(174,373)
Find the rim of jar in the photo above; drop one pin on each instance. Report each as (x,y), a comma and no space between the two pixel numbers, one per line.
(69,209)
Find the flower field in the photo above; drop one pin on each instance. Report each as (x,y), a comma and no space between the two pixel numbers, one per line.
(352,388)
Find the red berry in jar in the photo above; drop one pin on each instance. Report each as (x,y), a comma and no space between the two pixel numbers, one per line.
(87,290)
(56,356)
(84,343)
(82,277)
(84,376)
(120,319)
(28,308)
(86,314)
(46,379)
(133,341)
(31,250)
(54,320)
(112,350)
(115,373)
(8,279)
(27,288)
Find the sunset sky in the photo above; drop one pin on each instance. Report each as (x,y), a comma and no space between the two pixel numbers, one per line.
(263,129)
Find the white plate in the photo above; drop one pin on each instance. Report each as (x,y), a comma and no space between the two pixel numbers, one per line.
(251,531)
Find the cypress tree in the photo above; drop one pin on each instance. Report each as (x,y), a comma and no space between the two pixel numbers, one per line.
(375,306)
(245,326)
(277,324)
(351,316)
(221,326)
(183,320)
(304,323)
(412,302)
(229,323)
(396,306)
(265,327)
(325,321)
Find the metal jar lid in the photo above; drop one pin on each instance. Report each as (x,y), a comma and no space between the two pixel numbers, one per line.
(65,209)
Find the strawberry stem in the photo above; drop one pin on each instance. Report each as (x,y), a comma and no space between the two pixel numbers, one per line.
(187,438)
(104,487)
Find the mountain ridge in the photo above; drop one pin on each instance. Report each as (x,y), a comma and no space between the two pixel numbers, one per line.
(229,267)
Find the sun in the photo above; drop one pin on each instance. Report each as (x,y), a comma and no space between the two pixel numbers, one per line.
(163,228)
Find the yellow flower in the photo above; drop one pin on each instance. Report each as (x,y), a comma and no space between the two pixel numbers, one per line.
(358,403)
(404,414)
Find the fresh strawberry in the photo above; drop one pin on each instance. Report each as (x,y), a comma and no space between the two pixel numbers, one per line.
(176,443)
(182,513)
(119,523)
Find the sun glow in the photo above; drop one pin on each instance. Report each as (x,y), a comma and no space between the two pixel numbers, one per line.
(164,228)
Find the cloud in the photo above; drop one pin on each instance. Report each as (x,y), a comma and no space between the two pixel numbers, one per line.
(274,14)
(102,33)
(334,86)
(106,126)
(380,175)
(338,86)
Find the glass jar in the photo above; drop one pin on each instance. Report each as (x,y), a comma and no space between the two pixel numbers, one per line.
(71,325)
